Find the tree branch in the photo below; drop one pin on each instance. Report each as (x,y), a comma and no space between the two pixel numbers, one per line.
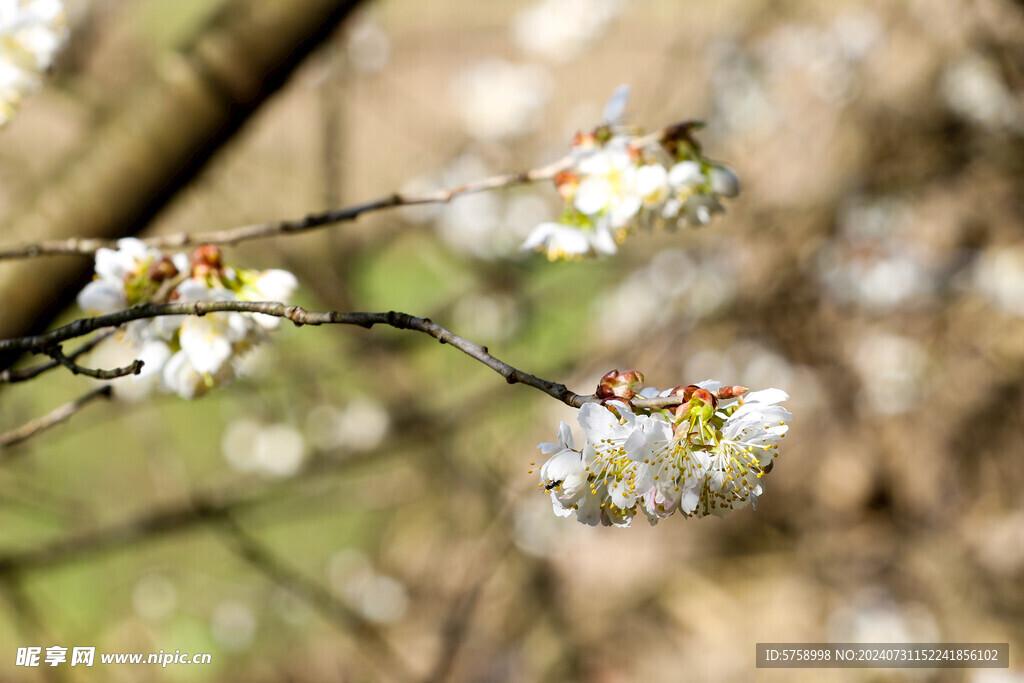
(43,342)
(309,222)
(134,368)
(11,376)
(51,419)
(673,134)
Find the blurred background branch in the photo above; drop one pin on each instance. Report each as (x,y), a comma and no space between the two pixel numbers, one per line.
(51,419)
(161,137)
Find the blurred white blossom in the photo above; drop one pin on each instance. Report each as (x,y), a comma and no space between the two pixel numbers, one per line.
(620,182)
(752,86)
(973,88)
(486,225)
(276,450)
(998,275)
(154,597)
(367,45)
(873,616)
(559,30)
(891,369)
(499,100)
(233,625)
(31,32)
(673,286)
(375,595)
(872,263)
(361,425)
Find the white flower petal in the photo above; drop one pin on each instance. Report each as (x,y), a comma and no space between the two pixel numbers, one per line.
(724,181)
(592,195)
(101,296)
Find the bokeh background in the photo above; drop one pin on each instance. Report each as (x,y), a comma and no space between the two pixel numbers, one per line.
(359,507)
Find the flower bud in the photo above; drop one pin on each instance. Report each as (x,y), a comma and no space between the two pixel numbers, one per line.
(701,403)
(566,183)
(731,392)
(210,254)
(620,384)
(206,259)
(686,392)
(161,270)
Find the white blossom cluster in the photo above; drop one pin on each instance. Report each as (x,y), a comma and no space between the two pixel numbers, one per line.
(185,355)
(620,182)
(705,456)
(31,32)
(560,30)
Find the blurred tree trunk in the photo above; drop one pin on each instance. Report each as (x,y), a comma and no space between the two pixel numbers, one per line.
(156,143)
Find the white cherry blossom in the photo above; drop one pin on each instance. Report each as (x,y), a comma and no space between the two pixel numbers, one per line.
(742,454)
(618,182)
(608,187)
(183,354)
(705,456)
(31,32)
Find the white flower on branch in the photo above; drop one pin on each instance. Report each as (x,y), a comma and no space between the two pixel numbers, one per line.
(620,182)
(185,355)
(31,32)
(128,275)
(704,456)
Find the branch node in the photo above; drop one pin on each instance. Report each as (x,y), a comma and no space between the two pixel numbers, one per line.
(296,314)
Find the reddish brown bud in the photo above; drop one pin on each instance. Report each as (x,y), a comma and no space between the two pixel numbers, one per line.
(696,399)
(161,270)
(565,183)
(731,392)
(206,260)
(705,396)
(620,384)
(207,255)
(686,392)
(582,139)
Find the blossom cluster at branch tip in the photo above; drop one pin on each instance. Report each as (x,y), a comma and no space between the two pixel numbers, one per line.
(705,456)
(620,182)
(186,355)
(31,32)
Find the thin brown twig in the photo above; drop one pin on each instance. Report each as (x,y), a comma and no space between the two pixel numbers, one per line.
(41,343)
(309,222)
(52,418)
(675,133)
(134,368)
(11,376)
(402,321)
